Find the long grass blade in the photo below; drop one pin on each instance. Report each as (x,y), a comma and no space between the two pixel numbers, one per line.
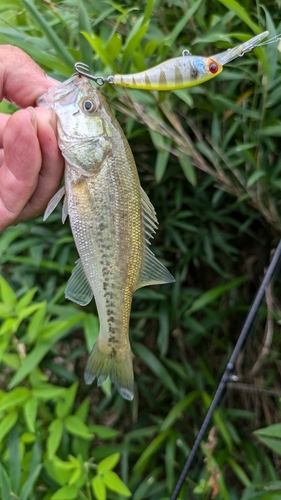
(50,34)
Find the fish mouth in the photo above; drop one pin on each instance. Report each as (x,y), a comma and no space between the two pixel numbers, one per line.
(64,93)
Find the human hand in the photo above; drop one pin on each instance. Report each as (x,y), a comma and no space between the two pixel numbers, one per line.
(31,166)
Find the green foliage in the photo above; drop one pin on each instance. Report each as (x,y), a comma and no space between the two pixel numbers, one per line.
(209,159)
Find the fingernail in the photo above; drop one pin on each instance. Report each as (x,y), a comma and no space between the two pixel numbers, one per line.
(53,120)
(32,113)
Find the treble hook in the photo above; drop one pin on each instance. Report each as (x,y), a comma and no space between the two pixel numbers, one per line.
(82,69)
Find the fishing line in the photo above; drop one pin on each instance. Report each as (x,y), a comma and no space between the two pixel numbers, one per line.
(228,373)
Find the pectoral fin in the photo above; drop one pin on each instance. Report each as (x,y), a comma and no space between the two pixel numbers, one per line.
(78,288)
(153,271)
(54,202)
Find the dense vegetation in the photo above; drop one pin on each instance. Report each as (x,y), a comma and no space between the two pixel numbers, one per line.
(209,159)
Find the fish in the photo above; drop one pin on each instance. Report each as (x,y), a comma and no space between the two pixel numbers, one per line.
(112,221)
(183,72)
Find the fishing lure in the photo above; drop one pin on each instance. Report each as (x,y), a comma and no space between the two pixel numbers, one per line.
(179,72)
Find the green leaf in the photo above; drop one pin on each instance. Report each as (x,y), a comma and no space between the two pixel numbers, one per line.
(98,487)
(48,391)
(5,485)
(30,413)
(272,443)
(7,294)
(27,311)
(14,459)
(104,432)
(240,473)
(36,455)
(223,429)
(59,470)
(49,33)
(54,437)
(188,170)
(134,39)
(98,45)
(66,492)
(240,12)
(176,411)
(31,361)
(83,410)
(114,483)
(5,310)
(108,463)
(65,405)
(150,450)
(271,131)
(25,300)
(77,428)
(91,330)
(161,164)
(114,46)
(53,332)
(212,295)
(270,431)
(29,483)
(156,367)
(183,22)
(51,62)
(36,322)
(9,235)
(17,397)
(148,10)
(7,423)
(84,25)
(255,177)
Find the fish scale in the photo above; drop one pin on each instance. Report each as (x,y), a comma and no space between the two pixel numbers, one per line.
(112,221)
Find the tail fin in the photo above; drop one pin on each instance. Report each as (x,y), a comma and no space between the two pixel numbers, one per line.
(116,363)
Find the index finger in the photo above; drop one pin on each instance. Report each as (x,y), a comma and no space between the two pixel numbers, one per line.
(21,79)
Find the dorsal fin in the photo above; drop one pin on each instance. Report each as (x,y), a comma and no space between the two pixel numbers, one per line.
(149,215)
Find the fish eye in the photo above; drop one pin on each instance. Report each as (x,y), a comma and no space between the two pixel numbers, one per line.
(213,67)
(88,105)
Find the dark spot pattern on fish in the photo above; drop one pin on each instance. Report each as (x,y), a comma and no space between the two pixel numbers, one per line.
(113,353)
(112,329)
(112,339)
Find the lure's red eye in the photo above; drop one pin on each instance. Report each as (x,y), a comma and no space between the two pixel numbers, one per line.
(213,67)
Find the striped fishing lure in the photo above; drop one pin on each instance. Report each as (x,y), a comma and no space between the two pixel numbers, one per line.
(177,73)
(180,72)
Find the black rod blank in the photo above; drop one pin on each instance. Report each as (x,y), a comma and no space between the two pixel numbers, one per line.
(230,366)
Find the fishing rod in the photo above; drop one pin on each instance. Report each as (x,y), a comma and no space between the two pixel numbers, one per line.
(228,373)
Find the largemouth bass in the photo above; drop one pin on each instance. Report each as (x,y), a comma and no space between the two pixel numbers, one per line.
(112,221)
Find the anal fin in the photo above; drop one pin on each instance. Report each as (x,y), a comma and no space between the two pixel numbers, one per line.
(153,271)
(78,288)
